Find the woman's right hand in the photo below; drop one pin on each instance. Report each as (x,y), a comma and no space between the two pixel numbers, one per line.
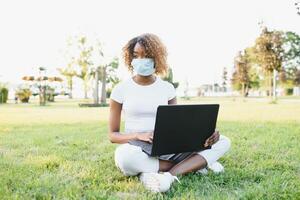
(147,137)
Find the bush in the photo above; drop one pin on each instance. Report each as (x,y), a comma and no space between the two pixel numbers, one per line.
(23,94)
(108,93)
(288,91)
(3,94)
(50,94)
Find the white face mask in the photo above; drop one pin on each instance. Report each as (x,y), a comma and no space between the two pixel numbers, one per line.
(143,66)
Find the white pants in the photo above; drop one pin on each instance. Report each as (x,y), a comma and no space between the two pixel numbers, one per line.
(131,160)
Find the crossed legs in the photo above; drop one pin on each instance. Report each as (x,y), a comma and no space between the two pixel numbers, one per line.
(131,160)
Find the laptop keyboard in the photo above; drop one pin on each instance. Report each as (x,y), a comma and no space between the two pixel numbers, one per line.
(146,147)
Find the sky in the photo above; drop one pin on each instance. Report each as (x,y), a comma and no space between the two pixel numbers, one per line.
(202,37)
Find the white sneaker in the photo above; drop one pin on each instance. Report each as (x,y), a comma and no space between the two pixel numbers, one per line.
(203,171)
(158,182)
(216,167)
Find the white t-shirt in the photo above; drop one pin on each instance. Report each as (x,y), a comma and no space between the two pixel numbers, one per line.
(140,102)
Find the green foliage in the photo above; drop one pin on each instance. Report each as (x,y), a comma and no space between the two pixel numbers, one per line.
(289,91)
(111,72)
(69,72)
(291,46)
(269,51)
(290,76)
(297,78)
(169,78)
(273,50)
(286,81)
(108,92)
(82,60)
(240,77)
(23,94)
(3,94)
(107,73)
(50,94)
(90,55)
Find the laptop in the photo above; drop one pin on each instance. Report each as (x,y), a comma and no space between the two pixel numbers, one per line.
(181,128)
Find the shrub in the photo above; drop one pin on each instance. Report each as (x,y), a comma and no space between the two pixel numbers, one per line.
(289,91)
(50,94)
(23,94)
(3,94)
(108,93)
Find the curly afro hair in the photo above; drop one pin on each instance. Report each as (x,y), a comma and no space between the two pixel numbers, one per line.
(154,49)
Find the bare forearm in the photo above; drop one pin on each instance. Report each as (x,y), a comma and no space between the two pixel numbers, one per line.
(117,137)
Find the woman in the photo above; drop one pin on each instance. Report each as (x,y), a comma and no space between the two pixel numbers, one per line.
(139,98)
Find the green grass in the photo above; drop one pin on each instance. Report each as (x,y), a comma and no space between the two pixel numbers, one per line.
(62,151)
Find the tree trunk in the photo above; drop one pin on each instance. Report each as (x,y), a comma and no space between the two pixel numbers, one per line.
(243,89)
(247,90)
(96,90)
(71,88)
(271,85)
(274,85)
(42,95)
(103,89)
(85,88)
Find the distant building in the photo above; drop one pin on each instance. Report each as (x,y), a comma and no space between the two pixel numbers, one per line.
(296,91)
(214,90)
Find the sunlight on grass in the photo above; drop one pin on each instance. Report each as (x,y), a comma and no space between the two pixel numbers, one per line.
(231,109)
(62,151)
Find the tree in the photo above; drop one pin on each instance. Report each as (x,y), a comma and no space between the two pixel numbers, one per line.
(169,78)
(240,77)
(297,78)
(84,62)
(23,94)
(105,73)
(269,54)
(69,72)
(109,75)
(224,79)
(285,79)
(254,78)
(96,70)
(254,71)
(291,47)
(42,85)
(3,93)
(291,58)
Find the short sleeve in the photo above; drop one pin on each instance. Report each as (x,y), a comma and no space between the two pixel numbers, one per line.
(171,91)
(117,93)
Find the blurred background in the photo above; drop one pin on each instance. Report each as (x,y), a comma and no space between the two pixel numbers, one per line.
(72,49)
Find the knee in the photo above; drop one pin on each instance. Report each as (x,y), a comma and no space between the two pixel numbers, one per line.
(226,143)
(126,156)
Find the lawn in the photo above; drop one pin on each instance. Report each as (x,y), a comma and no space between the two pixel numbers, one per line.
(61,151)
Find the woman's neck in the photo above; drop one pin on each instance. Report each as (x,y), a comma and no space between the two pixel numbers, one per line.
(144,80)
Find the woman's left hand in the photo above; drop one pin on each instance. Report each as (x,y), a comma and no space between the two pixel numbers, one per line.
(212,139)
